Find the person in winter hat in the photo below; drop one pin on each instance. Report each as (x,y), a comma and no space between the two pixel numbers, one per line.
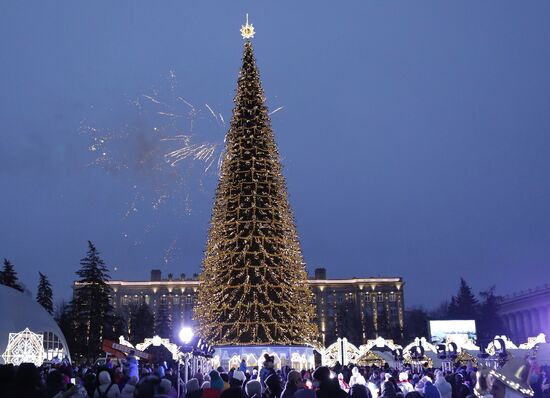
(343,385)
(242,366)
(267,368)
(327,387)
(388,390)
(237,379)
(444,387)
(129,388)
(215,388)
(216,381)
(461,390)
(161,372)
(165,390)
(431,391)
(356,377)
(359,391)
(106,388)
(293,384)
(404,383)
(273,387)
(253,389)
(133,370)
(193,389)
(235,389)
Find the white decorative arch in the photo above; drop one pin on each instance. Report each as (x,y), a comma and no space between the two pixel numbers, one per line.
(420,342)
(379,342)
(158,341)
(341,351)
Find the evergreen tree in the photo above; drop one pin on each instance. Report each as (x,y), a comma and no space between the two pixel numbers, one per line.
(64,317)
(44,295)
(416,322)
(349,319)
(92,312)
(163,322)
(464,305)
(142,324)
(253,284)
(9,276)
(489,323)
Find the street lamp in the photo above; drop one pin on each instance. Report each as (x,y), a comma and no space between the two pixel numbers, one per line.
(186,336)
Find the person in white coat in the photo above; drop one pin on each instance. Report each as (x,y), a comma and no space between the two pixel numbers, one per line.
(444,387)
(129,388)
(356,378)
(106,388)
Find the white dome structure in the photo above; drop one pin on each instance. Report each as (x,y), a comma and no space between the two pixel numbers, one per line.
(19,312)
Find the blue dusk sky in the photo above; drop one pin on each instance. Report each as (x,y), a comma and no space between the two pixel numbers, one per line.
(415,135)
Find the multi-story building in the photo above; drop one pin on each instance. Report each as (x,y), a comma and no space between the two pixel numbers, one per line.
(526,314)
(356,308)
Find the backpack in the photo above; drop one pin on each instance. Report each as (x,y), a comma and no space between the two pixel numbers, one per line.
(104,393)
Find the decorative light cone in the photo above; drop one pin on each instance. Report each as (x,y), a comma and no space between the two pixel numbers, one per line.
(253,287)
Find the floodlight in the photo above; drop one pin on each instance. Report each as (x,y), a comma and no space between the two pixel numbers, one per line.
(186,334)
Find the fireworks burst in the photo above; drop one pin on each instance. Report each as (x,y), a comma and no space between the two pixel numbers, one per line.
(169,152)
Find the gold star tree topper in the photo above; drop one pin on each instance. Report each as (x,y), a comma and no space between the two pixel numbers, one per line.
(247,31)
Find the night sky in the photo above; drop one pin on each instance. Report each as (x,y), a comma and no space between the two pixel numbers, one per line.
(415,136)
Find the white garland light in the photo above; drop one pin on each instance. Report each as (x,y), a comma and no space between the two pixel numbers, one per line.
(24,347)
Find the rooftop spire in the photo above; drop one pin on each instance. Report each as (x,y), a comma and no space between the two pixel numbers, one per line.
(247,30)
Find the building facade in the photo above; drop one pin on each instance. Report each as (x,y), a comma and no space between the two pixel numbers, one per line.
(356,308)
(526,314)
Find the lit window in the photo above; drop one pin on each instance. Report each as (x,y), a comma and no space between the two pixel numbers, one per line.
(176,300)
(392,296)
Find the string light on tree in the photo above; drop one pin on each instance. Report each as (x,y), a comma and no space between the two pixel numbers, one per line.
(253,287)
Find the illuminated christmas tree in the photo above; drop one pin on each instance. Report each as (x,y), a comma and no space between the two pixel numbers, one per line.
(253,287)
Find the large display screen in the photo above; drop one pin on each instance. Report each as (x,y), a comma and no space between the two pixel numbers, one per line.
(452,331)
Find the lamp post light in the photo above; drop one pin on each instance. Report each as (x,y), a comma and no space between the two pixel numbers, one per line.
(186,336)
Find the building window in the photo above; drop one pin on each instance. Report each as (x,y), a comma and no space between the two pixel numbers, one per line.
(147,299)
(392,296)
(189,299)
(125,300)
(367,297)
(380,297)
(176,300)
(163,299)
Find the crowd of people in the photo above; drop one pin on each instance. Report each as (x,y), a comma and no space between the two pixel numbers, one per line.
(128,379)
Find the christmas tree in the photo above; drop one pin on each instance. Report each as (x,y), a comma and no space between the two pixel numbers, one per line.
(8,276)
(92,312)
(44,295)
(253,287)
